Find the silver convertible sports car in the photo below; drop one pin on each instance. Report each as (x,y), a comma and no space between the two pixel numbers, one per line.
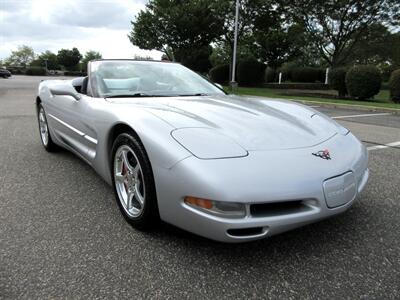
(176,147)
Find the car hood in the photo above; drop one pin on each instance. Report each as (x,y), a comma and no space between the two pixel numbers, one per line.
(254,123)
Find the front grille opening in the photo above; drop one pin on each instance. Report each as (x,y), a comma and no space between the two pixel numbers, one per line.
(278,208)
(245,231)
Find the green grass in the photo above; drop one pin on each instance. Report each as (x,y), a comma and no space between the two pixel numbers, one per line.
(380,101)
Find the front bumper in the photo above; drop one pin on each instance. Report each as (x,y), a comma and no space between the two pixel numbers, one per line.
(262,177)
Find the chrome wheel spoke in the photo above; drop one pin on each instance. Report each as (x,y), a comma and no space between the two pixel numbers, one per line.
(129,199)
(138,196)
(135,171)
(119,177)
(125,159)
(44,131)
(129,184)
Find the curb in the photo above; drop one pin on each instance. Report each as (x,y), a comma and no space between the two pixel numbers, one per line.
(350,106)
(395,111)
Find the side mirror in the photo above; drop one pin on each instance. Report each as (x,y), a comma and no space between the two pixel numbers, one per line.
(64,90)
(218,85)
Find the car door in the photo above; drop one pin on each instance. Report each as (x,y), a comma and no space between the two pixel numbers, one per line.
(73,124)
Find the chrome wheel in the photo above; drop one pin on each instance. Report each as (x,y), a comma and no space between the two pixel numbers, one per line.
(129,181)
(44,129)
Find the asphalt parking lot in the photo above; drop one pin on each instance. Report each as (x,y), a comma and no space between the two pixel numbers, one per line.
(62,236)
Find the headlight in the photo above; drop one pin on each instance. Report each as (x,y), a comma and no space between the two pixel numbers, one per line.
(323,120)
(207,143)
(217,208)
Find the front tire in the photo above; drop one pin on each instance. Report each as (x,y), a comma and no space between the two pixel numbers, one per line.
(45,136)
(133,182)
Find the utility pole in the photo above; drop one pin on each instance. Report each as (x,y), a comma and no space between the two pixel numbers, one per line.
(233,81)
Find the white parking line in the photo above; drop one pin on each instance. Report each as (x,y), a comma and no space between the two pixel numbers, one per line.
(358,116)
(378,147)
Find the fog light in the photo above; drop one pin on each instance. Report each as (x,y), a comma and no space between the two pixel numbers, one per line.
(218,208)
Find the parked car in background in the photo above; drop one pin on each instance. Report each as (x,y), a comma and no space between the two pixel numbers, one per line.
(4,73)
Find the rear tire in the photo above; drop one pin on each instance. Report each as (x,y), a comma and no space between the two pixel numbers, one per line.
(133,182)
(44,131)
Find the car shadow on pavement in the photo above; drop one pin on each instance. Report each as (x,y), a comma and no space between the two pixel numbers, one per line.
(328,234)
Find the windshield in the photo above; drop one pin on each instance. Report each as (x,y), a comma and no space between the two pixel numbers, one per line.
(146,79)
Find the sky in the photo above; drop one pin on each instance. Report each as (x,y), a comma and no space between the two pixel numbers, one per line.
(100,25)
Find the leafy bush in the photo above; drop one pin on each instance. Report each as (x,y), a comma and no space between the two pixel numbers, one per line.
(250,73)
(363,82)
(308,74)
(35,71)
(394,85)
(270,75)
(337,81)
(386,72)
(220,74)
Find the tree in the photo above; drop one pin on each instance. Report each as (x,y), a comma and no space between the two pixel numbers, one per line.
(263,33)
(337,26)
(180,26)
(394,56)
(277,44)
(373,47)
(21,57)
(48,59)
(69,58)
(90,55)
(251,14)
(195,59)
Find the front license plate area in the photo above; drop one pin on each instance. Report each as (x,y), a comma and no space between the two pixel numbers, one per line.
(340,190)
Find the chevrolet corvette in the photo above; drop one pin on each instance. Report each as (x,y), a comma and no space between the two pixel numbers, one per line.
(176,147)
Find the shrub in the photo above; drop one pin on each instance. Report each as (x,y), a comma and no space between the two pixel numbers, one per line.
(363,82)
(337,81)
(270,75)
(250,73)
(308,74)
(386,71)
(286,70)
(35,71)
(220,74)
(394,85)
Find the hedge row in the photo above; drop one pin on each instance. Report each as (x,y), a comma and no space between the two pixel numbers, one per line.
(296,74)
(298,86)
(248,73)
(394,85)
(35,71)
(220,74)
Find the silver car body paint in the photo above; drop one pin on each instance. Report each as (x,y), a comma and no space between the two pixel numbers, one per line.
(226,148)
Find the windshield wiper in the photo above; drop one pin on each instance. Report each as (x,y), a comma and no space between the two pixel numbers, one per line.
(190,95)
(135,95)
